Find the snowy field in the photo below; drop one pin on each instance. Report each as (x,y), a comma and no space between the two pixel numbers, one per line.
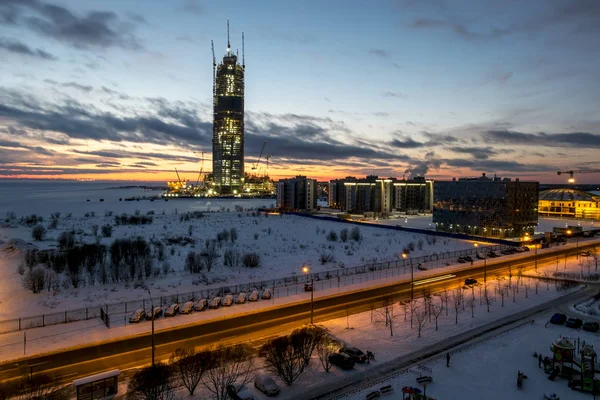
(284,244)
(490,368)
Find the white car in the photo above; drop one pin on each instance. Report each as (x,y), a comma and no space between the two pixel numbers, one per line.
(201,305)
(137,315)
(215,303)
(267,294)
(228,300)
(172,310)
(253,296)
(187,307)
(266,385)
(241,298)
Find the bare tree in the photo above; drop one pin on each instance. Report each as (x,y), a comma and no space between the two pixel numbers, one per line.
(210,254)
(34,279)
(387,311)
(445,296)
(510,275)
(326,347)
(152,383)
(36,387)
(471,302)
(228,365)
(487,298)
(305,341)
(437,310)
(457,301)
(413,309)
(519,277)
(189,366)
(283,359)
(502,294)
(421,320)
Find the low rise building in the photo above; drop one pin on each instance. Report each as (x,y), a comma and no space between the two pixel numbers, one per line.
(489,207)
(569,203)
(296,194)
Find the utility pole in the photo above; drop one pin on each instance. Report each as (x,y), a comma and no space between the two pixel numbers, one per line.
(152,311)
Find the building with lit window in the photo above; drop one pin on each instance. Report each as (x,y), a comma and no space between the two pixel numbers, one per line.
(569,203)
(413,196)
(228,125)
(296,194)
(381,196)
(486,207)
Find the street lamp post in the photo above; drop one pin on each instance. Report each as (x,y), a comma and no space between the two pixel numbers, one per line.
(412,278)
(484,263)
(152,311)
(306,270)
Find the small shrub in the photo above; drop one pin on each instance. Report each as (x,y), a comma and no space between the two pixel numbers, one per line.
(66,240)
(231,258)
(332,236)
(355,234)
(107,230)
(38,233)
(95,230)
(251,260)
(326,257)
(21,268)
(233,234)
(34,279)
(255,236)
(344,235)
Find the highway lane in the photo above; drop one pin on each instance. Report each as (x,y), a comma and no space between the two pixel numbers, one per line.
(248,328)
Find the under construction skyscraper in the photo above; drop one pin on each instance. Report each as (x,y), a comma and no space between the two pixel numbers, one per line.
(228,122)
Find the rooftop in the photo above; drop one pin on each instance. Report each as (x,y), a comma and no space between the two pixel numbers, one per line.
(565,194)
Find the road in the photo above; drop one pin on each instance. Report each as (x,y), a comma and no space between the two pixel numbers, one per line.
(249,328)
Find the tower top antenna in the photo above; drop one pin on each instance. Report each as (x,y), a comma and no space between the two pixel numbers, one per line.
(228,44)
(243,59)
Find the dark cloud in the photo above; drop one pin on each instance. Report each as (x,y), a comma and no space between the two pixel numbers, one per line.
(407,143)
(572,139)
(498,165)
(109,165)
(115,93)
(379,53)
(14,46)
(17,145)
(94,29)
(74,85)
(479,153)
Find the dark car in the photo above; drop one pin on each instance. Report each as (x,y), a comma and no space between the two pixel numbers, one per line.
(461,260)
(356,354)
(308,287)
(591,326)
(470,281)
(469,258)
(574,323)
(342,360)
(421,267)
(480,256)
(558,319)
(492,254)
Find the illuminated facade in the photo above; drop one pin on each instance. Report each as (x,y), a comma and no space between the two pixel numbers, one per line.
(228,126)
(569,203)
(486,207)
(296,194)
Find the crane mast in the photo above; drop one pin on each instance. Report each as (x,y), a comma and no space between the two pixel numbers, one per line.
(577,171)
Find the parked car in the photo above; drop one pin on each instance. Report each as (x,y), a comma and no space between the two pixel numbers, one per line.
(586,253)
(253,296)
(591,326)
(558,319)
(308,287)
(342,360)
(480,256)
(172,310)
(574,323)
(265,384)
(491,254)
(201,305)
(187,307)
(356,354)
(235,394)
(227,300)
(241,298)
(469,259)
(461,260)
(138,315)
(421,267)
(157,313)
(470,281)
(215,303)
(508,251)
(266,294)
(525,248)
(519,250)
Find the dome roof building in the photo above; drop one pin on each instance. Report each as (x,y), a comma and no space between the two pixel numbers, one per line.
(569,203)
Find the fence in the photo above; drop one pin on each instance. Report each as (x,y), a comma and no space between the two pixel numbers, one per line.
(115,309)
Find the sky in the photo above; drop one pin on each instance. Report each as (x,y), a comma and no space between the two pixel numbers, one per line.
(121,89)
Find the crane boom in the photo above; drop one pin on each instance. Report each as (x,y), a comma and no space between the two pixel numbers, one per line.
(577,171)
(260,156)
(178,178)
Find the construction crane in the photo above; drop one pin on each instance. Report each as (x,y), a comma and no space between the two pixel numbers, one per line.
(201,169)
(577,171)
(260,156)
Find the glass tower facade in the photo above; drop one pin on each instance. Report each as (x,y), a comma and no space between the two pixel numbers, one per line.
(228,126)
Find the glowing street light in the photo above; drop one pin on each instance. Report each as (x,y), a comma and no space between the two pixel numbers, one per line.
(412,277)
(484,262)
(306,270)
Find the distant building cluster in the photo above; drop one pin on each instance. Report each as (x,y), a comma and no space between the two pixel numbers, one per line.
(569,203)
(296,194)
(489,207)
(381,196)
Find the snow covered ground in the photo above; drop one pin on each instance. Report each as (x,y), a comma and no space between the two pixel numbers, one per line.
(284,243)
(489,370)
